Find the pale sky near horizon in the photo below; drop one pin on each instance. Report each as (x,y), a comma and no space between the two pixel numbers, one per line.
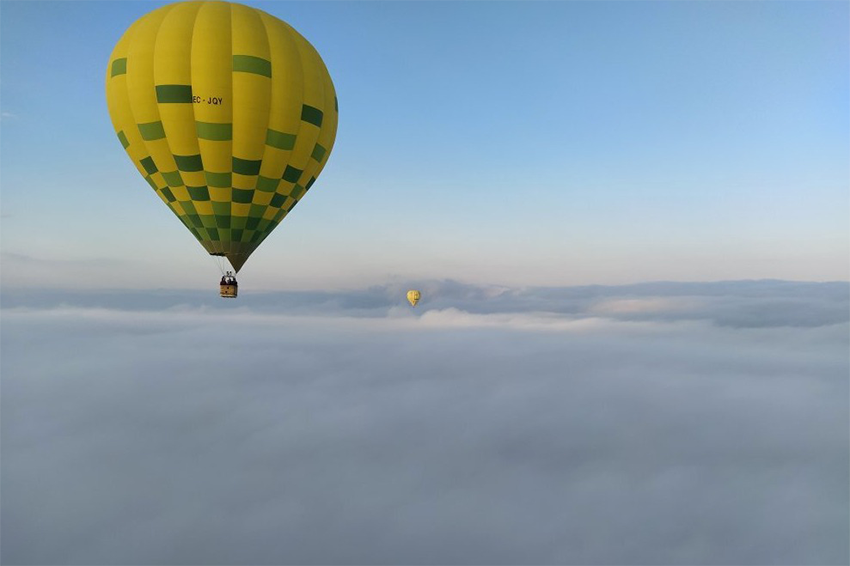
(513,143)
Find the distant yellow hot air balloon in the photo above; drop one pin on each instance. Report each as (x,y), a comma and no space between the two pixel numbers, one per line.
(229,115)
(413,297)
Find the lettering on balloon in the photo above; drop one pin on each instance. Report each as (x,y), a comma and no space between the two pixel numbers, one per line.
(214,100)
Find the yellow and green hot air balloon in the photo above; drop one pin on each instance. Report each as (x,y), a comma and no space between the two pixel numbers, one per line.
(413,297)
(227,112)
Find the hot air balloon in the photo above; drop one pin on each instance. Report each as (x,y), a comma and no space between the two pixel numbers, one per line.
(228,113)
(413,297)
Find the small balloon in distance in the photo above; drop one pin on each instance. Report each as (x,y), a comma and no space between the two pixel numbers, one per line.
(413,297)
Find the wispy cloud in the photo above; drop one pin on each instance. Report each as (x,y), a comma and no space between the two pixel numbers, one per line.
(26,258)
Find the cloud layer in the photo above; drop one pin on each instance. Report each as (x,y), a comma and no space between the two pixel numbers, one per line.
(740,304)
(662,424)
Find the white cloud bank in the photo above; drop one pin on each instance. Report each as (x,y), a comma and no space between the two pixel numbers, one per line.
(558,428)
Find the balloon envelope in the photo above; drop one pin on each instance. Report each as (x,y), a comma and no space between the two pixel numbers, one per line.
(413,297)
(229,115)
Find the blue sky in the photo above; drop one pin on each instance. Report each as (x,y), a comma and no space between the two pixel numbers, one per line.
(516,143)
